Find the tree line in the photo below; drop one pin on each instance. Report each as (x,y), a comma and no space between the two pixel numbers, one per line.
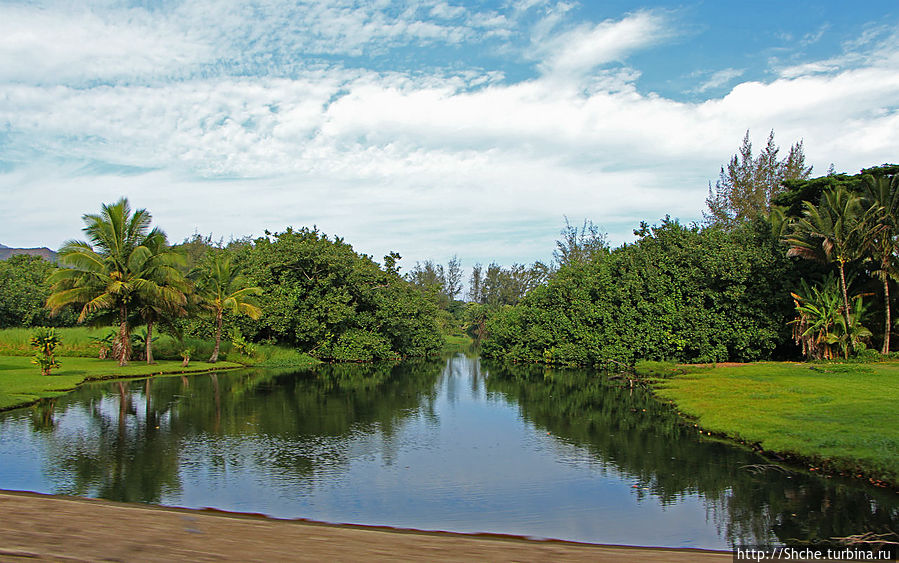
(298,288)
(783,265)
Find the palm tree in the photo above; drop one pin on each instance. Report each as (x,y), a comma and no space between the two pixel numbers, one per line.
(221,288)
(118,269)
(882,197)
(166,298)
(834,230)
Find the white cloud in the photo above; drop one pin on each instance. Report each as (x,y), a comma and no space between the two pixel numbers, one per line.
(425,163)
(46,46)
(877,46)
(719,78)
(586,47)
(54,42)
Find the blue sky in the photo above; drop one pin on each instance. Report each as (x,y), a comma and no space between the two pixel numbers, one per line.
(431,127)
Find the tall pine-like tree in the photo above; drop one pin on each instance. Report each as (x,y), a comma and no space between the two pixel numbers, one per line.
(747,184)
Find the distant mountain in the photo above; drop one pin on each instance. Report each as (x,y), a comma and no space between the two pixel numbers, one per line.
(44,252)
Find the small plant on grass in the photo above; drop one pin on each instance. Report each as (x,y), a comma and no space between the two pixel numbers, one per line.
(185,357)
(44,341)
(104,344)
(243,347)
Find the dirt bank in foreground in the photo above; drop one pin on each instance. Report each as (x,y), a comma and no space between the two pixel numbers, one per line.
(73,529)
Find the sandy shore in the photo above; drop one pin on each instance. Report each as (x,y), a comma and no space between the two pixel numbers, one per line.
(74,529)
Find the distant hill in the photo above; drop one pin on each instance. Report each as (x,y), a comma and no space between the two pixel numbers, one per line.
(44,252)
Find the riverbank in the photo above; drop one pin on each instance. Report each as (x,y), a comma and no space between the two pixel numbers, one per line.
(838,418)
(63,528)
(21,383)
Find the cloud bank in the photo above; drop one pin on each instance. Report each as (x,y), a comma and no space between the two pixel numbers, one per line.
(238,119)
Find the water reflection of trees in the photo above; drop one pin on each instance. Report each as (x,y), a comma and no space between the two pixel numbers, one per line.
(117,450)
(128,442)
(631,433)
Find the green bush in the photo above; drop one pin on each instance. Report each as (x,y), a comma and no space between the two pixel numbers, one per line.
(679,293)
(358,345)
(270,355)
(319,294)
(44,341)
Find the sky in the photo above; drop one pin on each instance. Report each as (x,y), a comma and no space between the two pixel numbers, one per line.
(428,127)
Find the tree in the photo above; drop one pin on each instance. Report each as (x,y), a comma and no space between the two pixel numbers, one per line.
(324,298)
(452,279)
(679,293)
(578,245)
(222,288)
(166,297)
(881,194)
(24,291)
(444,283)
(115,271)
(747,184)
(834,230)
(476,284)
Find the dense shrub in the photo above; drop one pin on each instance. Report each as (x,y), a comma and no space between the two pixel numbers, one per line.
(320,296)
(23,293)
(679,293)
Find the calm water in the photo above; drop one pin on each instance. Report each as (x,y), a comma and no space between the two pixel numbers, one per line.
(456,445)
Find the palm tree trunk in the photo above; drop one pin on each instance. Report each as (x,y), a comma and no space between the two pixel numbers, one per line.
(218,338)
(886,310)
(846,316)
(149,352)
(124,336)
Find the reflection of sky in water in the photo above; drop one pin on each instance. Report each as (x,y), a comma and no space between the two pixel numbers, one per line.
(461,460)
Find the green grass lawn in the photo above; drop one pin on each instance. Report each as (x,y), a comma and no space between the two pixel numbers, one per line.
(840,417)
(456,340)
(21,382)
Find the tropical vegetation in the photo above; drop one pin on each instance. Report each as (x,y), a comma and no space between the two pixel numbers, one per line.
(45,341)
(125,266)
(299,289)
(221,288)
(784,266)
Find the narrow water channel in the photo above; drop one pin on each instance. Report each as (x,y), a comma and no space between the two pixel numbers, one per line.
(457,444)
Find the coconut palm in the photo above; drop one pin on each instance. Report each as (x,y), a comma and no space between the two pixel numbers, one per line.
(220,288)
(121,266)
(166,298)
(882,197)
(835,231)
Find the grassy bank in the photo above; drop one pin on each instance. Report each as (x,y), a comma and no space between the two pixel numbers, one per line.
(453,341)
(22,384)
(80,342)
(838,417)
